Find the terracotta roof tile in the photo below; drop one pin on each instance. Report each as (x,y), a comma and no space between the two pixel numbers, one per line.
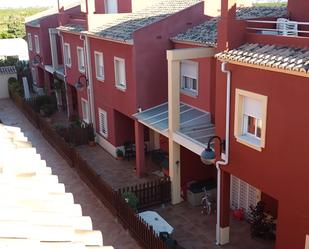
(206,33)
(275,56)
(121,27)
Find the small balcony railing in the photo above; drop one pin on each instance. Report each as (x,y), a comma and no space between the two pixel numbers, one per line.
(279,27)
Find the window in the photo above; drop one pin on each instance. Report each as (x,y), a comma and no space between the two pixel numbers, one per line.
(85,110)
(120,73)
(34,78)
(111,6)
(99,65)
(103,123)
(81,59)
(37,44)
(189,76)
(30,41)
(250,119)
(67,55)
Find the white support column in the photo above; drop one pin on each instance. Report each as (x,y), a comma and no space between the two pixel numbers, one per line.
(173,120)
(154,140)
(53,47)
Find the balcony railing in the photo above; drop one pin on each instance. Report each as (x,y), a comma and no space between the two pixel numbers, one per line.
(281,27)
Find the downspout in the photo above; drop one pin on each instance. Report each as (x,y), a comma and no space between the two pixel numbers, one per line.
(90,81)
(225,161)
(65,74)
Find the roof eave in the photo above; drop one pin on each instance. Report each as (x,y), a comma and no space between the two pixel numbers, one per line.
(92,35)
(194,43)
(272,69)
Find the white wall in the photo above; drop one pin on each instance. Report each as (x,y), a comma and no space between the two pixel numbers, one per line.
(4,92)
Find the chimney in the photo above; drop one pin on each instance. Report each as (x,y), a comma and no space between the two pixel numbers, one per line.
(231,32)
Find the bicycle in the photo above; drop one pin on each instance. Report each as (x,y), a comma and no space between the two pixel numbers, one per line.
(206,203)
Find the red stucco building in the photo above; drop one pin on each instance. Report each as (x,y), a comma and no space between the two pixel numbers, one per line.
(172,76)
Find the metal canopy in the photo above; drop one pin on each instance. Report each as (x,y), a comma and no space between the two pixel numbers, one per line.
(194,124)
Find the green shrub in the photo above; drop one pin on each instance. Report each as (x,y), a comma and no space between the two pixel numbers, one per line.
(131,199)
(47,109)
(119,153)
(48,102)
(16,86)
(12,80)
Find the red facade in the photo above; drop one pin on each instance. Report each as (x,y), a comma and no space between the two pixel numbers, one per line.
(279,170)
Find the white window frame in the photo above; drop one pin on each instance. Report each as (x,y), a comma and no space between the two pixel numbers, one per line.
(67,54)
(104,134)
(240,126)
(121,86)
(30,46)
(98,64)
(189,90)
(81,59)
(106,7)
(85,110)
(34,76)
(37,44)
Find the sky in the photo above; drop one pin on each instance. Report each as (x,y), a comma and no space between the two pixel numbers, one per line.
(30,3)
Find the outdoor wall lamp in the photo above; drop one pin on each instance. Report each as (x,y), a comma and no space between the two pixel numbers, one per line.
(36,60)
(208,156)
(79,85)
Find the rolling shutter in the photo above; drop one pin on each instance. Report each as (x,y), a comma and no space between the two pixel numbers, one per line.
(103,122)
(243,195)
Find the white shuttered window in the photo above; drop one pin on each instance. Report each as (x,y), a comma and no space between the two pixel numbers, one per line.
(120,73)
(67,55)
(81,59)
(99,65)
(85,110)
(103,123)
(243,195)
(111,6)
(189,76)
(30,41)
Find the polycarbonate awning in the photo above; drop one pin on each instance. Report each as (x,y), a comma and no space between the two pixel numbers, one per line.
(195,124)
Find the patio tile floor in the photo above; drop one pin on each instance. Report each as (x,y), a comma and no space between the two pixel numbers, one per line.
(194,230)
(117,173)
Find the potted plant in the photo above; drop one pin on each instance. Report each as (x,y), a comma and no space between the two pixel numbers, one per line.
(91,137)
(119,154)
(131,199)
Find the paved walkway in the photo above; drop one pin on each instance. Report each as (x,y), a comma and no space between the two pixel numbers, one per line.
(194,230)
(117,174)
(113,233)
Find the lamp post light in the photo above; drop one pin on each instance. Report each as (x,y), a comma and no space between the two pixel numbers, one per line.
(79,85)
(36,60)
(208,156)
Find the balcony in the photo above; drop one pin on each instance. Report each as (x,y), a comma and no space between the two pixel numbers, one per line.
(281,31)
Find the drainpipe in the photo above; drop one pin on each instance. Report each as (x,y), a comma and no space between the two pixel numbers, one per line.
(90,81)
(65,74)
(225,161)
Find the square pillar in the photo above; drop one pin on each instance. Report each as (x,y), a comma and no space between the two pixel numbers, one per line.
(174,171)
(139,148)
(225,208)
(154,140)
(68,91)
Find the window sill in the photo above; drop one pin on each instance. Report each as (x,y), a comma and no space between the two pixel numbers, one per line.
(189,93)
(121,88)
(104,135)
(250,142)
(100,79)
(67,65)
